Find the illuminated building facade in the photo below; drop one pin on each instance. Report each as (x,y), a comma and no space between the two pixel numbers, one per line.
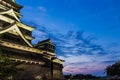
(38,60)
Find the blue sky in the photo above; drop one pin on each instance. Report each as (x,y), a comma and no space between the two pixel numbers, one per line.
(86,32)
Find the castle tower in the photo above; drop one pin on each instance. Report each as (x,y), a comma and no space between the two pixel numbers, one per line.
(15,39)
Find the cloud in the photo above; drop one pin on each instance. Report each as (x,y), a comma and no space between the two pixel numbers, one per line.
(82,55)
(86,64)
(85,68)
(79,51)
(39,36)
(43,9)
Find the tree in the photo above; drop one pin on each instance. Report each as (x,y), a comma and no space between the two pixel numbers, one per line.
(113,70)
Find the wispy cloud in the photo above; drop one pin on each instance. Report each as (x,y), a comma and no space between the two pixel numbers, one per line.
(79,51)
(86,63)
(43,9)
(39,36)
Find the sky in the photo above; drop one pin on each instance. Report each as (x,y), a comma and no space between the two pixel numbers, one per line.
(86,32)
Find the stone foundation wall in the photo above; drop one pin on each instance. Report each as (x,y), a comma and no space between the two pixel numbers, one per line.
(36,72)
(32,72)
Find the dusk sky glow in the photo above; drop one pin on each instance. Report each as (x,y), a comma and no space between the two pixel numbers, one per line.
(86,32)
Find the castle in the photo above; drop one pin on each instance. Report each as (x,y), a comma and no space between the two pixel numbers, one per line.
(38,61)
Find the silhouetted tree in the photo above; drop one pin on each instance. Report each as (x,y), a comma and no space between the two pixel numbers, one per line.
(70,76)
(82,76)
(113,69)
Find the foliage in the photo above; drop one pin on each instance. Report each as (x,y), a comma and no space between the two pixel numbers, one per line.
(113,70)
(81,76)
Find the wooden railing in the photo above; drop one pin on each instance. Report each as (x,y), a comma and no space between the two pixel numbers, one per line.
(27,61)
(25,48)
